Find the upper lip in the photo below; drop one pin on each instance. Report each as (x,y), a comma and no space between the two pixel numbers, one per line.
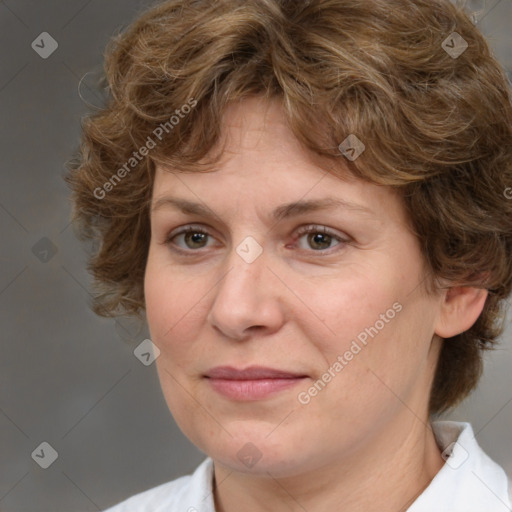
(250,373)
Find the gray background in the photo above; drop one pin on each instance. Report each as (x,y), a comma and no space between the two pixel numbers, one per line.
(68,377)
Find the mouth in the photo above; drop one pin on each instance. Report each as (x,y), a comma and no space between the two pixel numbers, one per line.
(253,383)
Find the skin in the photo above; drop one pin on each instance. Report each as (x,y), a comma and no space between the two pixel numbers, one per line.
(362,443)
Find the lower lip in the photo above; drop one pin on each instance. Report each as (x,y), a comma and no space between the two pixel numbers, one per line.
(252,389)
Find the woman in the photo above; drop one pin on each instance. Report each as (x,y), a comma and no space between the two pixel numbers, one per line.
(305,199)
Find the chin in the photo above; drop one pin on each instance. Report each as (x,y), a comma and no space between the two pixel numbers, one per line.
(259,454)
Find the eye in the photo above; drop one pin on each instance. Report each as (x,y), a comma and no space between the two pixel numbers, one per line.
(319,238)
(193,237)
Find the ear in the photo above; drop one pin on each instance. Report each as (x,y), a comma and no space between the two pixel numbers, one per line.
(460,309)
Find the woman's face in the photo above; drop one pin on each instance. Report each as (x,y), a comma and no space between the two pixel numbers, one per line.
(342,306)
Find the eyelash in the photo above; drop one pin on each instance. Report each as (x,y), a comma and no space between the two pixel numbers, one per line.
(300,233)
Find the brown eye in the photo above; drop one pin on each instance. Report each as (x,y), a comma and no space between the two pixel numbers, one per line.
(319,241)
(193,238)
(319,238)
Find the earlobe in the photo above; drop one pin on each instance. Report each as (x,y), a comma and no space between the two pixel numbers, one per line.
(460,309)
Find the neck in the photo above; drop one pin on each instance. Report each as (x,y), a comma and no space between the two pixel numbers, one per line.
(387,476)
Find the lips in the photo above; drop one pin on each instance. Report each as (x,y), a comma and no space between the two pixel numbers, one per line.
(251,373)
(253,383)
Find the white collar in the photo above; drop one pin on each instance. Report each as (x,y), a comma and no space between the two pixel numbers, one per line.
(469,481)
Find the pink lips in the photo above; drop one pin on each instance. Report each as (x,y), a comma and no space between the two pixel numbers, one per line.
(253,383)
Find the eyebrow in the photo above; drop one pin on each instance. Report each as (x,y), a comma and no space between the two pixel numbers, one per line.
(281,212)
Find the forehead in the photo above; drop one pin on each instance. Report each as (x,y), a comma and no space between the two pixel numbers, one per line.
(263,162)
(256,144)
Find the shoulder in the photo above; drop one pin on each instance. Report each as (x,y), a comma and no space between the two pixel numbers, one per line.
(190,493)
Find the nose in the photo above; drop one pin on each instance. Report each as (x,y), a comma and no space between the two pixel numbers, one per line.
(248,299)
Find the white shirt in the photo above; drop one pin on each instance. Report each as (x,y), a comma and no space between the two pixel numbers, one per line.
(469,481)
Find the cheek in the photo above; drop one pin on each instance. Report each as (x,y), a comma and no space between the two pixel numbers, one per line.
(172,300)
(175,313)
(341,308)
(369,319)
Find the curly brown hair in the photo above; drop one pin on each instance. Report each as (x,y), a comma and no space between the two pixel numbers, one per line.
(437,127)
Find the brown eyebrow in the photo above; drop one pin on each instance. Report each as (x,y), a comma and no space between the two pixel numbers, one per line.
(281,212)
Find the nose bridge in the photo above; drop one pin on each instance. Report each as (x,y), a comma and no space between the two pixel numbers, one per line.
(245,295)
(245,266)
